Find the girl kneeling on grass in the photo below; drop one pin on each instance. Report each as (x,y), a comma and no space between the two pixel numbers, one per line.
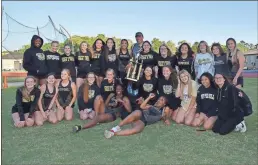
(46,103)
(90,101)
(206,111)
(116,105)
(139,119)
(66,96)
(26,103)
(230,115)
(187,92)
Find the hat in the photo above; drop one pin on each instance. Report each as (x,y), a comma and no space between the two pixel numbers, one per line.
(138,34)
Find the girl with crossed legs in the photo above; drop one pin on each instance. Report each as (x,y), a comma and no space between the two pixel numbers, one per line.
(139,119)
(187,92)
(26,102)
(117,105)
(90,102)
(46,103)
(66,96)
(206,111)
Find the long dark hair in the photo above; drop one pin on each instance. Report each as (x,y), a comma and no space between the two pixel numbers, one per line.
(94,46)
(189,53)
(152,75)
(107,49)
(149,44)
(210,77)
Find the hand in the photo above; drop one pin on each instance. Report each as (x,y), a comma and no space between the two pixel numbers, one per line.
(121,101)
(152,95)
(47,112)
(60,108)
(139,100)
(240,94)
(235,80)
(128,66)
(44,115)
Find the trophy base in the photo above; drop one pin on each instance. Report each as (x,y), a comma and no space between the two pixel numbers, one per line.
(131,79)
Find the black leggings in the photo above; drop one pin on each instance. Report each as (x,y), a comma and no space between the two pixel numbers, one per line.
(224,127)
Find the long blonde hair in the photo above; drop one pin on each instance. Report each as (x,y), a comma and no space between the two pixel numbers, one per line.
(24,90)
(86,87)
(234,52)
(182,85)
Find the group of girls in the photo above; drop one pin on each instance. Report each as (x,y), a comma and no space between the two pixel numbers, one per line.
(167,90)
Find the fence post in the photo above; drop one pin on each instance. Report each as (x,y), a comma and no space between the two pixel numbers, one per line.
(5,85)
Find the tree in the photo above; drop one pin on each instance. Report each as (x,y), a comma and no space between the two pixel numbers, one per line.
(180,42)
(156,44)
(171,46)
(195,47)
(101,36)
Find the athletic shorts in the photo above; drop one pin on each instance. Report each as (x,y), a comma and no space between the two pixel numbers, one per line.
(15,109)
(151,116)
(81,75)
(113,112)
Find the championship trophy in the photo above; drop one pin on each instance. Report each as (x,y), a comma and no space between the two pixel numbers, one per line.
(135,67)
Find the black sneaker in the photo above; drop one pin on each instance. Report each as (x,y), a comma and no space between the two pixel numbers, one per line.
(77,128)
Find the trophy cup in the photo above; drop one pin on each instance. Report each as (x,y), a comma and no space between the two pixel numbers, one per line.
(135,67)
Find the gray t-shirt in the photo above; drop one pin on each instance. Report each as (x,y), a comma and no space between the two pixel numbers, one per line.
(221,65)
(136,48)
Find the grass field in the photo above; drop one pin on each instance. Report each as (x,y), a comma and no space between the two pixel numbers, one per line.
(157,144)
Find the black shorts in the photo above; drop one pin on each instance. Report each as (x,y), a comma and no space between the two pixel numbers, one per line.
(15,110)
(81,75)
(173,103)
(143,119)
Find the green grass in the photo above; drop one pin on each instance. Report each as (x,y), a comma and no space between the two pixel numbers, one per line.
(157,144)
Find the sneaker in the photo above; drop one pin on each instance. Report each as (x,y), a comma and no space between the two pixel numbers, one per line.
(77,128)
(109,134)
(237,128)
(116,129)
(243,127)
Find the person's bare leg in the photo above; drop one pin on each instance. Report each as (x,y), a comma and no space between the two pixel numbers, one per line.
(38,118)
(102,118)
(174,113)
(138,126)
(17,122)
(68,113)
(167,114)
(31,122)
(190,117)
(134,116)
(208,124)
(60,114)
(198,121)
(52,117)
(99,105)
(180,117)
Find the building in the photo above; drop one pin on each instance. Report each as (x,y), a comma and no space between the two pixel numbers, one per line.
(12,62)
(251,59)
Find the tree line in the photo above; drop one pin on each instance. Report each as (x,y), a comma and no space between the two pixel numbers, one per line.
(156,42)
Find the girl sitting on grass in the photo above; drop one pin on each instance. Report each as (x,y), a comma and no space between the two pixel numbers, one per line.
(26,102)
(46,103)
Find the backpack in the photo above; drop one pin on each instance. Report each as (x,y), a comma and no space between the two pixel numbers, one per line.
(243,102)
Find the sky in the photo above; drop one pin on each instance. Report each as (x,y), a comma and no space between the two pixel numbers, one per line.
(176,21)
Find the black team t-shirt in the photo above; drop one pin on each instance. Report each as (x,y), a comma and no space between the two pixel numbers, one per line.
(97,63)
(94,91)
(107,88)
(149,59)
(147,86)
(68,62)
(186,64)
(168,61)
(82,61)
(111,61)
(53,62)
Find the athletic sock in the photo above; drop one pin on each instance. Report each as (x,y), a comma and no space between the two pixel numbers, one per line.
(116,129)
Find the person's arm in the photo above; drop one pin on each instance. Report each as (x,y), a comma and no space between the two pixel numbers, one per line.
(144,105)
(34,104)
(196,65)
(178,90)
(241,60)
(42,91)
(108,99)
(127,104)
(74,95)
(27,65)
(198,102)
(19,104)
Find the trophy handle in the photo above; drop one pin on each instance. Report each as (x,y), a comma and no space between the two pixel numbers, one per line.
(139,72)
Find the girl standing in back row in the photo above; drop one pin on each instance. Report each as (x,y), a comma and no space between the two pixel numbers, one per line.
(204,60)
(97,61)
(82,61)
(68,62)
(237,60)
(110,57)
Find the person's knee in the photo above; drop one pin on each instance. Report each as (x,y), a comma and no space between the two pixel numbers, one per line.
(69,117)
(53,121)
(179,121)
(188,122)
(30,124)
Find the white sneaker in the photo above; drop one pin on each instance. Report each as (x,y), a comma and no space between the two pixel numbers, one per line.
(116,129)
(237,128)
(108,134)
(243,127)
